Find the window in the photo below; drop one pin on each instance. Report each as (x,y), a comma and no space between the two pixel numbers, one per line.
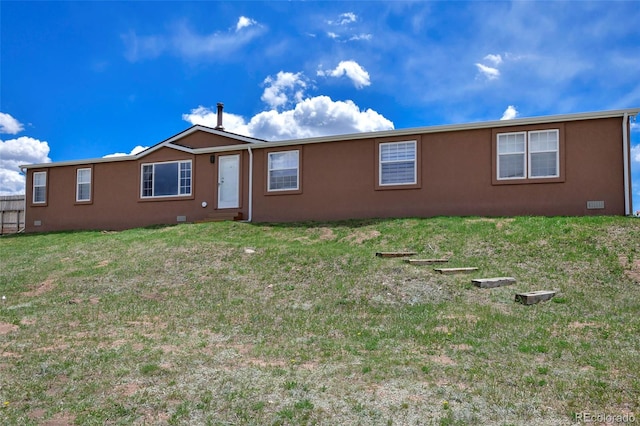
(532,155)
(83,185)
(167,179)
(398,163)
(284,170)
(39,187)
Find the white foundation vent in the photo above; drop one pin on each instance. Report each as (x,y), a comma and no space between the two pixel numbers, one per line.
(595,205)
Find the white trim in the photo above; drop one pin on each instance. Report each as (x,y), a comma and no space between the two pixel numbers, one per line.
(526,155)
(250,208)
(625,164)
(415,163)
(78,183)
(179,162)
(257,143)
(523,153)
(297,169)
(557,152)
(33,194)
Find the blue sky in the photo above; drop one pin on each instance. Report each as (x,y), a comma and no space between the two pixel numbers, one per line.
(88,79)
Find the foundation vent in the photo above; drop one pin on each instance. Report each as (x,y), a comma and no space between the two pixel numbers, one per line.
(595,205)
(181,219)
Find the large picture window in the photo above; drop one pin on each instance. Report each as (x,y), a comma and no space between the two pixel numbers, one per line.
(532,155)
(168,179)
(284,168)
(83,185)
(39,187)
(398,163)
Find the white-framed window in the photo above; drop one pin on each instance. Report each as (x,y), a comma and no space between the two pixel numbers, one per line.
(39,187)
(284,168)
(167,179)
(534,154)
(398,163)
(83,185)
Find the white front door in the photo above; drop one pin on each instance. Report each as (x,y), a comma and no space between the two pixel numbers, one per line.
(229,181)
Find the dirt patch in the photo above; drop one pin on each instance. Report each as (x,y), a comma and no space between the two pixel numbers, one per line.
(467,317)
(128,389)
(631,269)
(442,360)
(37,414)
(60,419)
(44,287)
(326,234)
(461,347)
(581,325)
(103,264)
(6,328)
(359,237)
(27,321)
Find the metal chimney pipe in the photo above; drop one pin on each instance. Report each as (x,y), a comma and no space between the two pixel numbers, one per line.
(220,107)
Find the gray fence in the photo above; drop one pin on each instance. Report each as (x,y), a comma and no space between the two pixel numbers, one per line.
(11,214)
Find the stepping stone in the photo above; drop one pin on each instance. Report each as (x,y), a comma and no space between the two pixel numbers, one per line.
(493,282)
(534,297)
(449,271)
(425,261)
(396,253)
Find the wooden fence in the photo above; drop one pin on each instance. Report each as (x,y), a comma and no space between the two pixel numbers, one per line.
(11,214)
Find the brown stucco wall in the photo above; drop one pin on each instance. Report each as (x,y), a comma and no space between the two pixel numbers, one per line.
(116,202)
(339,178)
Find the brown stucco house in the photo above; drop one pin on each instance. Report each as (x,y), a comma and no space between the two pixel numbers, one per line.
(577,164)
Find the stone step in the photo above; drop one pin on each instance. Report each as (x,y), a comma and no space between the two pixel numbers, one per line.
(449,271)
(396,253)
(493,282)
(425,261)
(533,297)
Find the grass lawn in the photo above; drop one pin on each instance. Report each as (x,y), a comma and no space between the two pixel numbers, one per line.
(184,325)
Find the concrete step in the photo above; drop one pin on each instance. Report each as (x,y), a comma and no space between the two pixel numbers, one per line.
(493,282)
(450,271)
(533,297)
(425,261)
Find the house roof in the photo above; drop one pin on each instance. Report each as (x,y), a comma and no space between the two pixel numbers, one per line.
(254,143)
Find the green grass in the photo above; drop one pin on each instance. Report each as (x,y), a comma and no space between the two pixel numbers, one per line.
(179,325)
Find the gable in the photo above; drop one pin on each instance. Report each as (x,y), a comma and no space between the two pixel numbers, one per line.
(201,139)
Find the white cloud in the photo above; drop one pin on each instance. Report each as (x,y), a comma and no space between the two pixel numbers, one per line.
(358,37)
(488,72)
(495,59)
(333,35)
(185,43)
(317,116)
(635,154)
(510,113)
(244,22)
(207,117)
(9,125)
(344,19)
(13,154)
(286,87)
(358,75)
(134,151)
(347,18)
(311,117)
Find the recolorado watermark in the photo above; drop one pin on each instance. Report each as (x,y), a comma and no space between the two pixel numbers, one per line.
(585,417)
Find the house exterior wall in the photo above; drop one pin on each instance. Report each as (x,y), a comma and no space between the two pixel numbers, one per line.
(115,200)
(457,178)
